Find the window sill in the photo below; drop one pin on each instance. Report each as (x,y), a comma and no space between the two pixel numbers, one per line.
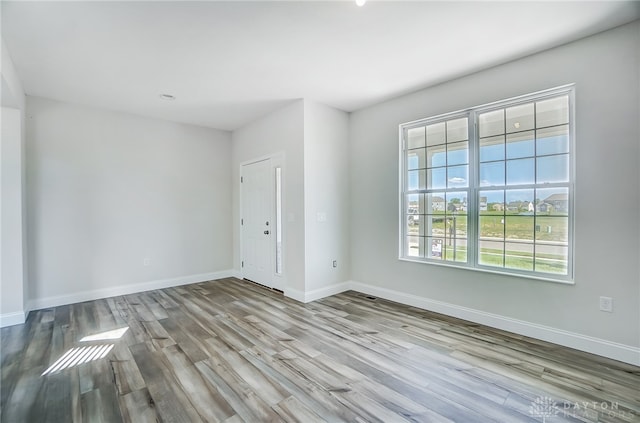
(549,278)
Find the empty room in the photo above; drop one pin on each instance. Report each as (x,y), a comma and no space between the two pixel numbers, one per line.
(320,211)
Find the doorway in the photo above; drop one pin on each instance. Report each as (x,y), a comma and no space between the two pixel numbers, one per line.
(259,224)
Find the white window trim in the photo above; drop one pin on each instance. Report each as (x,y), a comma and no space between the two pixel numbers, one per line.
(473,213)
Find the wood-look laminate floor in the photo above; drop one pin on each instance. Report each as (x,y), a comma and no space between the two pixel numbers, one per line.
(233,351)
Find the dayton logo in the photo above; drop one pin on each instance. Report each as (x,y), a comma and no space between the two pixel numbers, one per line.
(544,407)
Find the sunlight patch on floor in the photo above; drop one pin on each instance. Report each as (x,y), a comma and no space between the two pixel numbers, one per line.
(80,355)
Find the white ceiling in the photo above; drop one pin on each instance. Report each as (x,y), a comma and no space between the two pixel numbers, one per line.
(228,63)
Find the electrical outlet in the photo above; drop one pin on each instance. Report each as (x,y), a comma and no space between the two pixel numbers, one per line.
(335,263)
(146,261)
(606,304)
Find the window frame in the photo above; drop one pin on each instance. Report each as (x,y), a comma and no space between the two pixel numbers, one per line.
(474,188)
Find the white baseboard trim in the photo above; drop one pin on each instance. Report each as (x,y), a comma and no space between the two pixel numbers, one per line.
(613,350)
(602,347)
(10,319)
(78,297)
(316,294)
(326,291)
(294,294)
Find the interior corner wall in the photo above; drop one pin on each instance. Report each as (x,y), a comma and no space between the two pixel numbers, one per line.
(280,132)
(605,69)
(107,190)
(13,255)
(11,225)
(326,196)
(12,91)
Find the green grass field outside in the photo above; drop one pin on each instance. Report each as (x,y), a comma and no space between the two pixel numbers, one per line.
(510,226)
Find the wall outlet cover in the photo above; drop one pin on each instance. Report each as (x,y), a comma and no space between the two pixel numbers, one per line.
(606,304)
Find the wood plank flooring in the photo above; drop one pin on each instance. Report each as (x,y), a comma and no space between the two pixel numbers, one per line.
(232,351)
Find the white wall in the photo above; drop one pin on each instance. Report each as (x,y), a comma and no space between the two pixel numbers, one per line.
(11,269)
(13,287)
(12,90)
(326,196)
(107,190)
(281,132)
(605,69)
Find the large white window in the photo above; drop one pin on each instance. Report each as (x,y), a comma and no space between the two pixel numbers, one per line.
(491,187)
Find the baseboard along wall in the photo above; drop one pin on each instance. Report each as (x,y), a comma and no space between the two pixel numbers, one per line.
(602,347)
(78,297)
(10,319)
(625,353)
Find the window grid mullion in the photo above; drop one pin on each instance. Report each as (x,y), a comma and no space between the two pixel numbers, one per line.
(535,179)
(504,193)
(472,200)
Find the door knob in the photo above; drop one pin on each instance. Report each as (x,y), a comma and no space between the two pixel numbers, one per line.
(266,232)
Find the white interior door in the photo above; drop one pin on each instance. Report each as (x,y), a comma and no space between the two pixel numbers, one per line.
(257,195)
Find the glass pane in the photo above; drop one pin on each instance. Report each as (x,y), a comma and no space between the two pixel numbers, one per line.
(437,178)
(491,201)
(551,259)
(491,253)
(457,225)
(491,123)
(492,148)
(457,130)
(460,225)
(552,169)
(435,248)
(520,145)
(435,203)
(415,137)
(492,226)
(520,118)
(416,179)
(415,204)
(519,227)
(520,171)
(554,229)
(415,246)
(520,201)
(436,134)
(415,159)
(458,153)
(458,176)
(415,224)
(552,201)
(554,111)
(434,225)
(482,205)
(456,250)
(491,174)
(518,256)
(456,202)
(437,156)
(552,140)
(412,223)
